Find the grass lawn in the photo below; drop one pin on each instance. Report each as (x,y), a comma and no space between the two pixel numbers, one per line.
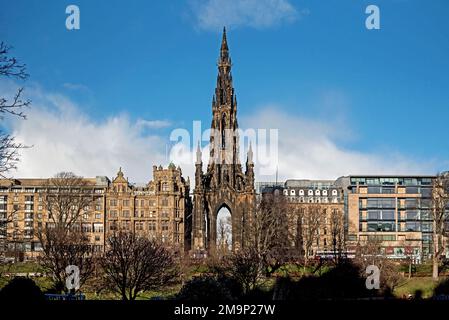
(410,286)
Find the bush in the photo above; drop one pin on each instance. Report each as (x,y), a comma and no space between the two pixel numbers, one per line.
(441,288)
(20,289)
(204,288)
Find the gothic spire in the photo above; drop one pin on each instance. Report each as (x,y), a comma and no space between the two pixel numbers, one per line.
(224,51)
(198,154)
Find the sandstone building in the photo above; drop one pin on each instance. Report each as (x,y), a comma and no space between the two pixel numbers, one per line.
(161,209)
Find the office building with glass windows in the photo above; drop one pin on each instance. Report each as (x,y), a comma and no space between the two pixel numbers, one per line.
(392,209)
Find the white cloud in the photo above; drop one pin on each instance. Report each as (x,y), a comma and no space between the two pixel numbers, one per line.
(214,14)
(75,86)
(308,150)
(64,139)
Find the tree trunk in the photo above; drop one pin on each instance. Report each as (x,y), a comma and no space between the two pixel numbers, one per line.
(410,269)
(435,267)
(436,250)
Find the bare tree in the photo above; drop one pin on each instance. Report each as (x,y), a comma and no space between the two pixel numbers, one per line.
(62,249)
(65,199)
(270,233)
(311,221)
(9,149)
(132,264)
(224,233)
(371,252)
(439,211)
(337,234)
(11,236)
(244,267)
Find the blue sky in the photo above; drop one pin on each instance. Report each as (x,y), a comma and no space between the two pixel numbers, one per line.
(380,94)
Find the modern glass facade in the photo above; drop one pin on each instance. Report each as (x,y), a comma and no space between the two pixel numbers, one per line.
(393,209)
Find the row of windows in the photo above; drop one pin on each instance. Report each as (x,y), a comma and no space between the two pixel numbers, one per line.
(425,192)
(389,226)
(310,192)
(138,203)
(139,214)
(39,216)
(139,225)
(314,200)
(391,181)
(165,187)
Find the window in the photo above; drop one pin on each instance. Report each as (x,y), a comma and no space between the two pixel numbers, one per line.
(374,190)
(317,192)
(152,226)
(126,225)
(412,215)
(412,190)
(164,214)
(139,226)
(285,192)
(412,226)
(98,227)
(411,203)
(381,226)
(310,193)
(378,203)
(164,202)
(164,226)
(142,203)
(87,227)
(324,192)
(301,192)
(334,192)
(387,215)
(125,214)
(426,192)
(165,186)
(292,192)
(373,215)
(126,203)
(113,202)
(97,215)
(113,213)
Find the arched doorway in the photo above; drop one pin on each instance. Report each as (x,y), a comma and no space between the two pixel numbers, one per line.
(224,231)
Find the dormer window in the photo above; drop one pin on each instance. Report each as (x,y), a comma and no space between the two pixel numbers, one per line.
(334,192)
(286,192)
(317,192)
(324,192)
(292,192)
(301,192)
(310,193)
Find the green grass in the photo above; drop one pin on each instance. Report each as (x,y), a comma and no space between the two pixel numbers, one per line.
(21,267)
(410,286)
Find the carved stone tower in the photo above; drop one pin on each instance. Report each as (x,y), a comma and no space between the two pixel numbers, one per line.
(224,184)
